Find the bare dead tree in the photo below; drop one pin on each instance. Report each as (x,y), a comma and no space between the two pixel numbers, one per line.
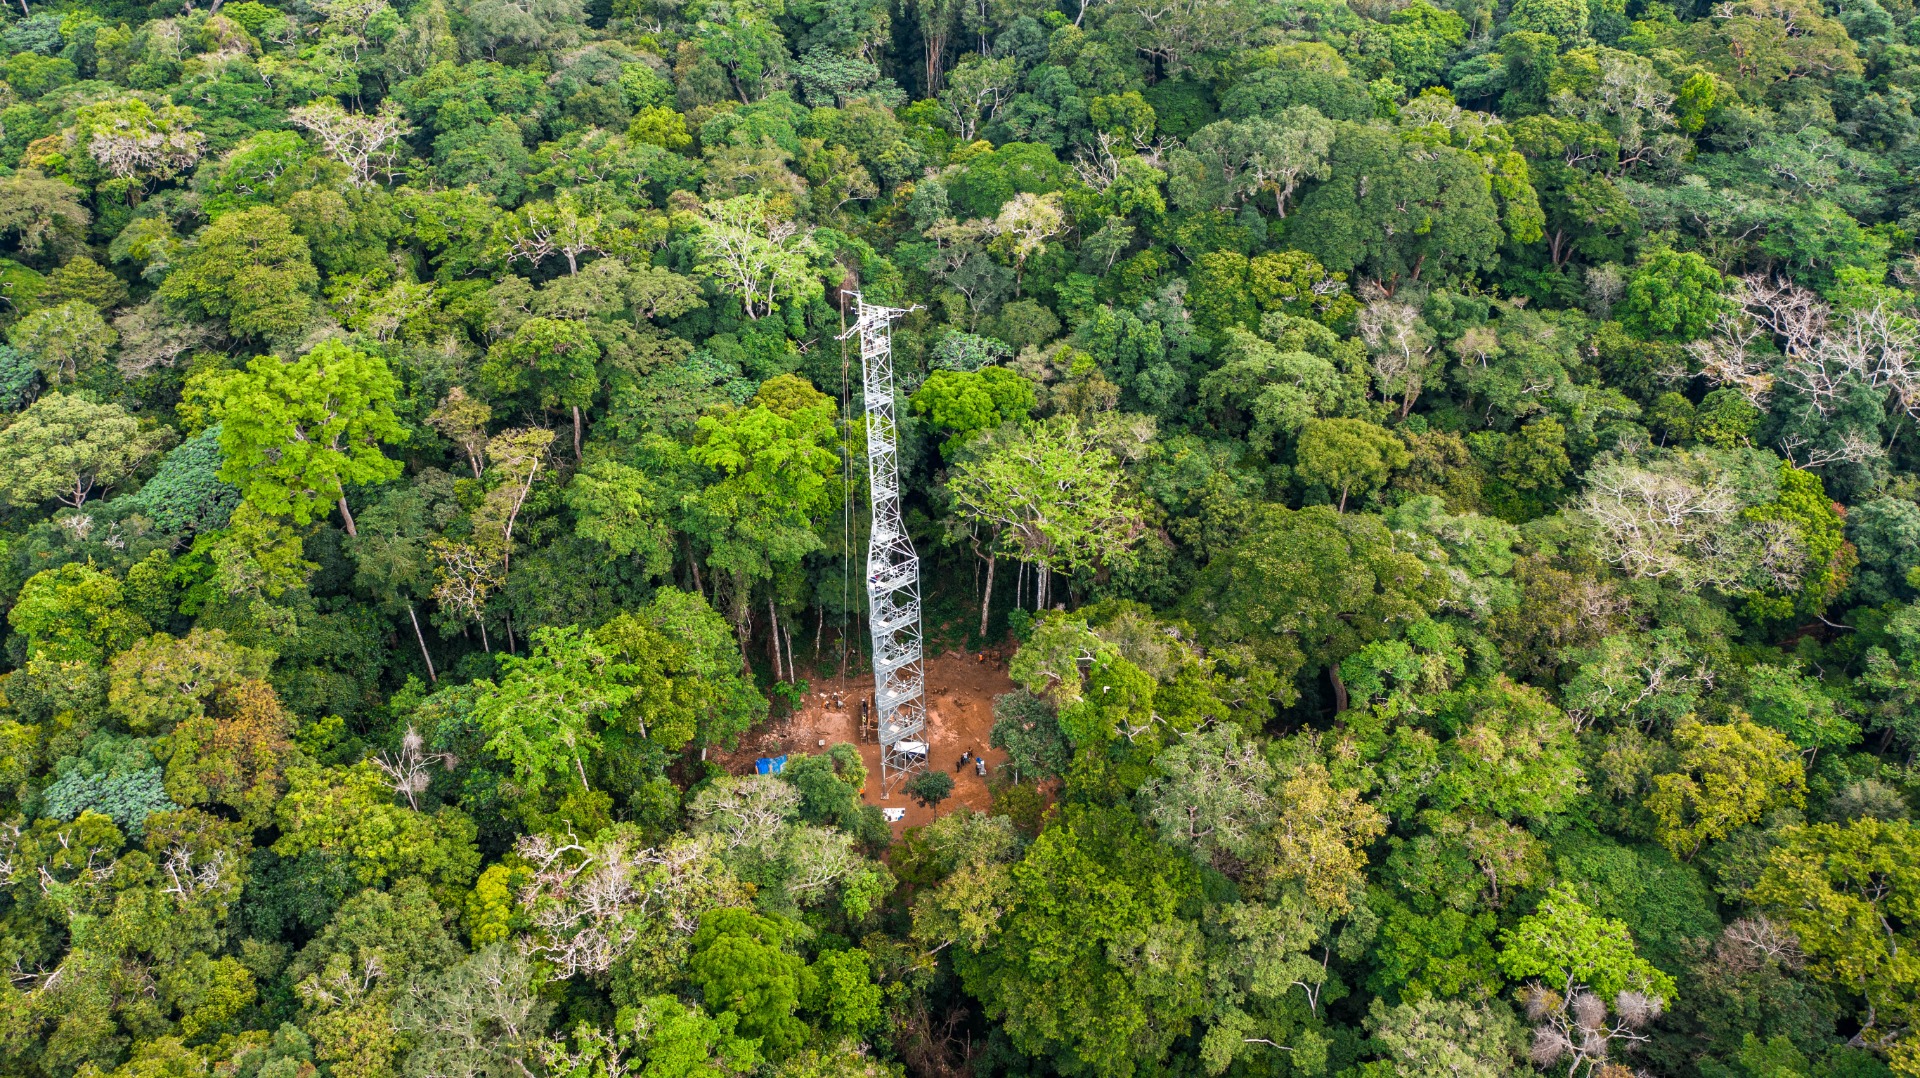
(1099,161)
(1401,348)
(189,877)
(342,985)
(1577,1030)
(369,144)
(588,903)
(744,813)
(934,1046)
(1852,448)
(1654,524)
(410,770)
(1825,358)
(1729,358)
(1753,942)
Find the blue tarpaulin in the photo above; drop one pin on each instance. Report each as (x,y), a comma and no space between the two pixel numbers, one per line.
(770,765)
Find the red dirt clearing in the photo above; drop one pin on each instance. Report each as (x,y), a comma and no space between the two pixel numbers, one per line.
(960,692)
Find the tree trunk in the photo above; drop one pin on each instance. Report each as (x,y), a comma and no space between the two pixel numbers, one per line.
(694,564)
(431,676)
(740,612)
(1343,501)
(773,621)
(1339,689)
(576,433)
(936,49)
(986,604)
(347,515)
(793,672)
(485,645)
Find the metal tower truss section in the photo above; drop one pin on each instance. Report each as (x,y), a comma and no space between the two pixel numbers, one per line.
(893,569)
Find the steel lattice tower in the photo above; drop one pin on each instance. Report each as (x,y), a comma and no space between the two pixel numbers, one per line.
(893,569)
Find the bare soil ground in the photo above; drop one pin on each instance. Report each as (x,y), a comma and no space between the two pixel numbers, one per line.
(960,691)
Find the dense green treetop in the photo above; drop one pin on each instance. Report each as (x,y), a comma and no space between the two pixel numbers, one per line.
(1438,475)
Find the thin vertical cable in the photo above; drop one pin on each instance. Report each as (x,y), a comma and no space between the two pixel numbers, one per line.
(846,490)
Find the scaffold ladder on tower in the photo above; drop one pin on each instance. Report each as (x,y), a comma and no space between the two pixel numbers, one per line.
(893,569)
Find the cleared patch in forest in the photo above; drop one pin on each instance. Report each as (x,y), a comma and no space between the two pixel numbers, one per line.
(960,691)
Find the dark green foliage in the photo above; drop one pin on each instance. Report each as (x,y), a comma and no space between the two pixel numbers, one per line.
(1267,93)
(1417,206)
(1664,902)
(19,379)
(127,797)
(1026,727)
(1672,295)
(988,180)
(829,786)
(1440,481)
(1180,106)
(292,898)
(1309,587)
(38,33)
(187,496)
(741,966)
(930,787)
(1886,534)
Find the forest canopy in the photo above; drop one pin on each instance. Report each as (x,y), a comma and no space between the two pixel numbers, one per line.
(1440,476)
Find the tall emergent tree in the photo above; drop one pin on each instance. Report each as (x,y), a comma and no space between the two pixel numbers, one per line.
(295,433)
(1050,494)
